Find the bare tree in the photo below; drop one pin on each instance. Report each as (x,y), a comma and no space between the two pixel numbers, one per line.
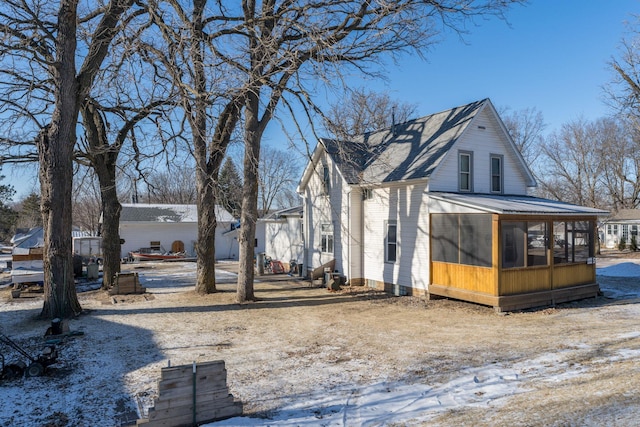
(364,111)
(574,164)
(278,175)
(526,128)
(86,202)
(622,155)
(43,41)
(620,144)
(174,186)
(208,103)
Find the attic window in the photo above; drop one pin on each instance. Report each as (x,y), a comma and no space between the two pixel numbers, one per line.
(481,127)
(325,179)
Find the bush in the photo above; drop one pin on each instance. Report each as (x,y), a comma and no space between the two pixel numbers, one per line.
(634,244)
(622,244)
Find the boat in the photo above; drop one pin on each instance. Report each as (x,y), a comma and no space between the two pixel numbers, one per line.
(154,254)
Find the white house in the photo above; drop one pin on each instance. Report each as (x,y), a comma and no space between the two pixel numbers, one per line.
(171,227)
(623,225)
(279,235)
(439,206)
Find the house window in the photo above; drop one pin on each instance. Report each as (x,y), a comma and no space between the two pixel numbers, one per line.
(465,170)
(625,232)
(367,194)
(634,230)
(325,179)
(496,173)
(326,231)
(391,242)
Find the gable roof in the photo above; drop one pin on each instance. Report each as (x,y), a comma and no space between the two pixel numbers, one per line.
(143,212)
(295,211)
(407,151)
(625,215)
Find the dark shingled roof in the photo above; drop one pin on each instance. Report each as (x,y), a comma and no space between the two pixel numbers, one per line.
(405,151)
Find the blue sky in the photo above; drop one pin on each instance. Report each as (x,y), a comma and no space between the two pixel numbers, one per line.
(552,56)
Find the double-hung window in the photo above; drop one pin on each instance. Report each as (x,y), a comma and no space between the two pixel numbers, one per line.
(326,231)
(391,242)
(465,171)
(496,173)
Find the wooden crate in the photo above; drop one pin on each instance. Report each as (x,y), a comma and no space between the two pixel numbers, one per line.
(174,405)
(127,283)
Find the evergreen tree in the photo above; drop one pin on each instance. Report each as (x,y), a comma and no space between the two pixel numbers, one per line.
(7,215)
(230,188)
(29,215)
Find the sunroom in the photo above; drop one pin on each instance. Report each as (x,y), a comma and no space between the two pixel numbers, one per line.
(511,252)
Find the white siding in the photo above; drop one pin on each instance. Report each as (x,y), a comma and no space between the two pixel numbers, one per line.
(280,239)
(327,209)
(355,268)
(407,205)
(482,143)
(139,235)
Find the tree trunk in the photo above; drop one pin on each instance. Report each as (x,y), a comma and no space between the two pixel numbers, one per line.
(249,214)
(55,151)
(60,298)
(110,232)
(206,248)
(104,158)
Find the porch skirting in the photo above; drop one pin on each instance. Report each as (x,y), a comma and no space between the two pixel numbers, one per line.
(520,301)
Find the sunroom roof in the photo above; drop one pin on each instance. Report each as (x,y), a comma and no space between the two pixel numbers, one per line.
(514,205)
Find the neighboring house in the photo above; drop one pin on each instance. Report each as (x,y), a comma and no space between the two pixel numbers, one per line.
(279,235)
(624,224)
(172,228)
(439,206)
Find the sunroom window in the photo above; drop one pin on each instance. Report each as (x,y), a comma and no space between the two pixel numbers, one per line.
(572,241)
(524,243)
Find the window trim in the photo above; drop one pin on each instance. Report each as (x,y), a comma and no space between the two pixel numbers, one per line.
(388,243)
(500,175)
(326,245)
(468,154)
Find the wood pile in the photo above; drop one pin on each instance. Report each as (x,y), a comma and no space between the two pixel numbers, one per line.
(127,283)
(180,387)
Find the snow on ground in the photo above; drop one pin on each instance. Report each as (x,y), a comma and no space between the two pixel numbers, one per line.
(100,375)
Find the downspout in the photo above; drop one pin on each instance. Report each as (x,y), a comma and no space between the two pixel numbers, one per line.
(361,240)
(350,236)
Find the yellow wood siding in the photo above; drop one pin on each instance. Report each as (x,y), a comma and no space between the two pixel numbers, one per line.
(522,280)
(467,277)
(573,274)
